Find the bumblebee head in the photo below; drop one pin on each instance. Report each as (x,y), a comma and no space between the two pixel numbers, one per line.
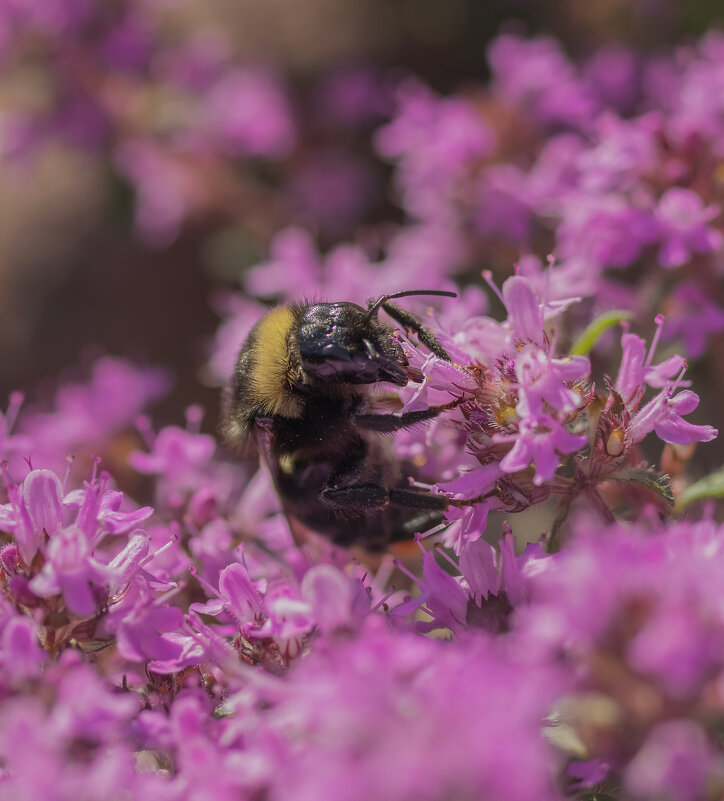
(344,343)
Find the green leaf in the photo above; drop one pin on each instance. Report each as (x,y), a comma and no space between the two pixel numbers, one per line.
(712,486)
(596,329)
(647,479)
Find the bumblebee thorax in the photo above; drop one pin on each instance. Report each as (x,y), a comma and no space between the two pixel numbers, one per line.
(276,369)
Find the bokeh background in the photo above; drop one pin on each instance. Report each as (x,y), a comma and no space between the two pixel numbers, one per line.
(80,275)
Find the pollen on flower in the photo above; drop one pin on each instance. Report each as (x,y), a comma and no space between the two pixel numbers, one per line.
(616,442)
(506,415)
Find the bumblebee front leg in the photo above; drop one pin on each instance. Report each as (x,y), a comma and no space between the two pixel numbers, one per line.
(413,323)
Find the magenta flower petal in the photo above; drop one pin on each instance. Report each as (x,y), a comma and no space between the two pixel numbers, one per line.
(524,311)
(445,598)
(77,593)
(140,635)
(20,649)
(237,589)
(43,494)
(478,567)
(335,599)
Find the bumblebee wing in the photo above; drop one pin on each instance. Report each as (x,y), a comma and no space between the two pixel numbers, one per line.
(237,430)
(247,447)
(260,441)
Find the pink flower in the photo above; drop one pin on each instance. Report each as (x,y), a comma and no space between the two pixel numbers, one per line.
(685,227)
(664,414)
(547,380)
(246,112)
(539,441)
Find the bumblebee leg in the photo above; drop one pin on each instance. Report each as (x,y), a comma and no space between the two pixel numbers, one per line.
(396,422)
(349,490)
(417,499)
(411,322)
(358,498)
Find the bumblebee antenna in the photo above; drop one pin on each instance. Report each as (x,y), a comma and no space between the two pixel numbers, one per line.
(375,307)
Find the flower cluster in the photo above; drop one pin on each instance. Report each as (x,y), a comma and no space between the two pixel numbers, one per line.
(534,421)
(165,633)
(616,177)
(221,656)
(607,164)
(644,651)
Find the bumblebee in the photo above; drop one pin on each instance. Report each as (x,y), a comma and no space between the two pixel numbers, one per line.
(300,393)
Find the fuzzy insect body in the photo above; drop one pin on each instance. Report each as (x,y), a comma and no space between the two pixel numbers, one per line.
(300,394)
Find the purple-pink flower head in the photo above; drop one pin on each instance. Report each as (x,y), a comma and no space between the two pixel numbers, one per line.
(86,415)
(538,441)
(664,415)
(679,760)
(477,592)
(21,656)
(685,227)
(644,647)
(246,112)
(664,412)
(544,380)
(182,462)
(527,395)
(657,611)
(78,556)
(536,76)
(636,371)
(437,140)
(273,620)
(70,567)
(692,316)
(603,230)
(52,745)
(71,570)
(364,711)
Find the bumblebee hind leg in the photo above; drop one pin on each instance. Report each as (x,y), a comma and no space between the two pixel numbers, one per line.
(351,489)
(366,497)
(356,498)
(396,422)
